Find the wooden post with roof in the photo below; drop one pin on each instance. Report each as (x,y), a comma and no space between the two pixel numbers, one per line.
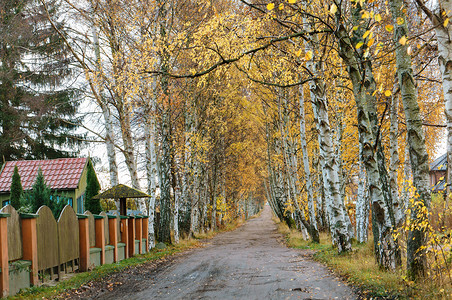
(122,192)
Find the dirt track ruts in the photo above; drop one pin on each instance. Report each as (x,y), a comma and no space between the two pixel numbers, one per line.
(248,263)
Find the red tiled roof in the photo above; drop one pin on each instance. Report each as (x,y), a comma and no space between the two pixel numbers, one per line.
(59,174)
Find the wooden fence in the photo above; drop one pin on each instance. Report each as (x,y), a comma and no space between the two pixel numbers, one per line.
(14,233)
(47,239)
(51,247)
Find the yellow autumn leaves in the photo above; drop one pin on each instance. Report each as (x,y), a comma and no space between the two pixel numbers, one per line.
(333,9)
(308,55)
(271,6)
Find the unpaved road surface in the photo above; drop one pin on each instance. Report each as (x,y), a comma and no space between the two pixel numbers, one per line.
(248,263)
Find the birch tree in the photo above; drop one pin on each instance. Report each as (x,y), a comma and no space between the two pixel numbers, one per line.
(307,172)
(440,16)
(416,257)
(386,248)
(362,204)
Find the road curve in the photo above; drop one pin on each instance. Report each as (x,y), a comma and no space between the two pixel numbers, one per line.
(248,263)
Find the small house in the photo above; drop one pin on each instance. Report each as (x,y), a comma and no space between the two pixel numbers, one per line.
(438,169)
(65,176)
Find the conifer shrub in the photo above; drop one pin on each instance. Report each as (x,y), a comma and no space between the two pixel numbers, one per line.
(16,189)
(92,189)
(40,195)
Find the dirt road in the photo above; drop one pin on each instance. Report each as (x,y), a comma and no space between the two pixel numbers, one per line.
(248,263)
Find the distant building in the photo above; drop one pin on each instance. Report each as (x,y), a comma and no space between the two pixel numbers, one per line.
(438,169)
(66,176)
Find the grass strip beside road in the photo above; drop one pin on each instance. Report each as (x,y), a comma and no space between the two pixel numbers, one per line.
(100,272)
(360,270)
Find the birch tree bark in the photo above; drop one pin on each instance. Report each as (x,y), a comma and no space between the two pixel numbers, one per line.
(443,30)
(416,254)
(394,161)
(314,232)
(321,196)
(275,187)
(338,226)
(362,203)
(188,167)
(165,179)
(151,172)
(386,248)
(129,151)
(340,172)
(291,164)
(106,112)
(369,83)
(122,105)
(165,161)
(407,176)
(175,214)
(335,204)
(110,145)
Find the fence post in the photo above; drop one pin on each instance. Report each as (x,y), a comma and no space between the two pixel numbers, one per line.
(4,275)
(83,232)
(139,232)
(125,235)
(30,244)
(100,236)
(131,240)
(146,232)
(113,232)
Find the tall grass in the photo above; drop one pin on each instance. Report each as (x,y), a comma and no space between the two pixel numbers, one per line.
(361,270)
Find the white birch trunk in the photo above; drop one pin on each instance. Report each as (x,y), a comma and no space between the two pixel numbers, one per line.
(291,165)
(341,175)
(109,132)
(407,176)
(165,179)
(441,12)
(394,161)
(321,195)
(362,204)
(214,210)
(338,225)
(445,62)
(307,172)
(110,145)
(335,205)
(416,255)
(195,215)
(188,166)
(274,198)
(176,215)
(386,248)
(129,152)
(151,173)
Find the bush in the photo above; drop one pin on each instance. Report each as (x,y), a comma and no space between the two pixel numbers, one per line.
(92,189)
(42,195)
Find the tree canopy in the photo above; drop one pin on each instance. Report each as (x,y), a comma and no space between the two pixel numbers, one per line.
(37,105)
